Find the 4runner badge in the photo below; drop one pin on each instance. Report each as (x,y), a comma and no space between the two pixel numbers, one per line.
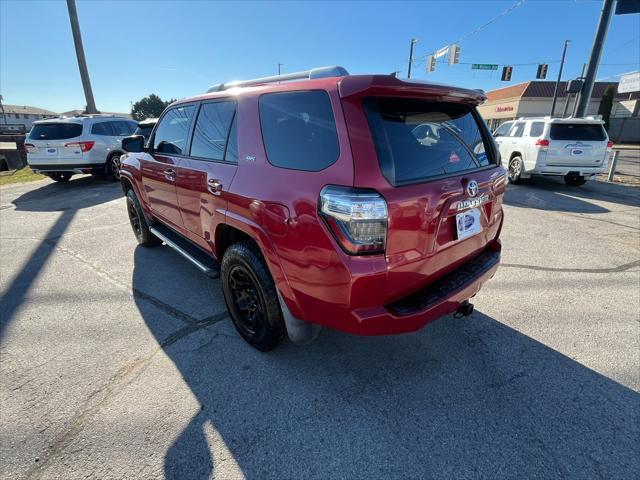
(473,202)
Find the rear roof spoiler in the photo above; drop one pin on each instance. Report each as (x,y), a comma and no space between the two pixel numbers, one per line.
(383,84)
(320,72)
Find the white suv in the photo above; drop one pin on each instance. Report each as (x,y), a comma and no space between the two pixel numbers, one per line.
(575,148)
(92,144)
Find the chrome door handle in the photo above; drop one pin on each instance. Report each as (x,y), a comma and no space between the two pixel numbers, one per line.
(170,174)
(215,185)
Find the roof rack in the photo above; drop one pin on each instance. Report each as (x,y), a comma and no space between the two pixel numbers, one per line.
(320,72)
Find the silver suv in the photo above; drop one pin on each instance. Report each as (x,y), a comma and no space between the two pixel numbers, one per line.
(62,147)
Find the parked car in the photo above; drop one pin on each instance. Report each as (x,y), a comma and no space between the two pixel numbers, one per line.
(62,147)
(320,202)
(145,127)
(574,148)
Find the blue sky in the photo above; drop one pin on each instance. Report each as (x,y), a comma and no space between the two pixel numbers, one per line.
(177,49)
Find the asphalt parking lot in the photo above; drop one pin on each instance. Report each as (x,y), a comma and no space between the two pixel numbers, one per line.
(120,362)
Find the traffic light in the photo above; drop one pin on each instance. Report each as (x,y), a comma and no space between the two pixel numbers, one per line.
(542,71)
(431,63)
(506,73)
(454,54)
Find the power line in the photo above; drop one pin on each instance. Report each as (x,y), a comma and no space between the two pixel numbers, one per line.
(480,28)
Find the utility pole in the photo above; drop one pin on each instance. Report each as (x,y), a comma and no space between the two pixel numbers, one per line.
(4,116)
(82,63)
(555,90)
(413,42)
(596,52)
(575,105)
(279,65)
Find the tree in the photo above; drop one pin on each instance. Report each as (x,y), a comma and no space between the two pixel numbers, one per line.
(147,107)
(606,104)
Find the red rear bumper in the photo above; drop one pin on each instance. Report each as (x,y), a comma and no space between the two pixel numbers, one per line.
(412,312)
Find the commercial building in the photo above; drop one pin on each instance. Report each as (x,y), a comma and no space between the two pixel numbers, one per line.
(534,99)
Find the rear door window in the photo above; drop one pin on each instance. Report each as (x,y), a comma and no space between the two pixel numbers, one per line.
(299,130)
(212,130)
(502,130)
(518,130)
(171,134)
(590,132)
(55,131)
(102,128)
(417,140)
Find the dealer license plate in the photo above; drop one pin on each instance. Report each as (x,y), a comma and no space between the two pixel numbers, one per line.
(468,223)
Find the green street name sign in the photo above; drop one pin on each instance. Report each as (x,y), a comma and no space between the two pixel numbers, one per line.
(484,66)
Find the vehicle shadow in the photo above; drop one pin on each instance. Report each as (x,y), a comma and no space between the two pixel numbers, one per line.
(553,194)
(466,398)
(79,192)
(67,198)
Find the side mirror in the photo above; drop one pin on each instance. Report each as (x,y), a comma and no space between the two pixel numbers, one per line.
(133,144)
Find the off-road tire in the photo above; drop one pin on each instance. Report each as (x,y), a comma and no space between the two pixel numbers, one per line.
(139,222)
(246,281)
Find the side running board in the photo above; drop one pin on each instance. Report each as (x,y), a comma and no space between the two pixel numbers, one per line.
(188,250)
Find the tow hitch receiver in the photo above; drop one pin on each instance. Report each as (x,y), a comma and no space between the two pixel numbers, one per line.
(464,310)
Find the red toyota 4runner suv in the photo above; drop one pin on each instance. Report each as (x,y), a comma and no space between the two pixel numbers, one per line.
(362,203)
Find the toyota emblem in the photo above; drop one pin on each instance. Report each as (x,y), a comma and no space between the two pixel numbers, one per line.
(472,188)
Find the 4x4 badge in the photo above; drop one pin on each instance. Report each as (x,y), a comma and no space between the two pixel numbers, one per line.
(472,188)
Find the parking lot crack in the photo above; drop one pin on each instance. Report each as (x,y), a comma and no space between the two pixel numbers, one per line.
(156,302)
(618,269)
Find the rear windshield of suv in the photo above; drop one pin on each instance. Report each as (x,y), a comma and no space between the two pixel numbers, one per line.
(591,132)
(417,140)
(55,131)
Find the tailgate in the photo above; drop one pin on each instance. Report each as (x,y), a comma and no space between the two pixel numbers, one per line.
(437,170)
(577,144)
(50,142)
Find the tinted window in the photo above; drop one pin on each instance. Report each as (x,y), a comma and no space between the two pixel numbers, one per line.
(145,131)
(577,131)
(416,139)
(502,130)
(536,129)
(299,130)
(121,128)
(518,129)
(102,128)
(171,134)
(55,131)
(212,129)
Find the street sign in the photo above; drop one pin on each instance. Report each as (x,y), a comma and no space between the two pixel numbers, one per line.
(442,52)
(629,83)
(484,66)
